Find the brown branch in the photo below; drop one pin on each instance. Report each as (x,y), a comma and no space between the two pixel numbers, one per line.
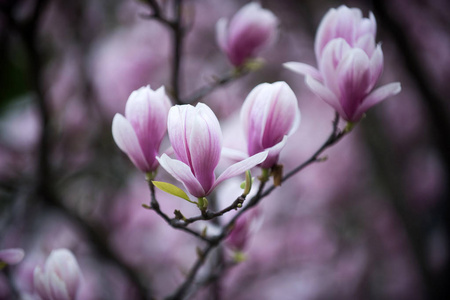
(218,82)
(175,223)
(183,289)
(434,103)
(43,186)
(209,215)
(178,33)
(177,30)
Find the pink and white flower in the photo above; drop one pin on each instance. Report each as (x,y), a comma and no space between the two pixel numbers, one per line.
(11,256)
(140,132)
(60,279)
(269,115)
(350,64)
(251,30)
(349,24)
(196,138)
(243,229)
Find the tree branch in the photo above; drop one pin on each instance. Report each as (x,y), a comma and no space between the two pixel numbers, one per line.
(175,223)
(183,289)
(218,82)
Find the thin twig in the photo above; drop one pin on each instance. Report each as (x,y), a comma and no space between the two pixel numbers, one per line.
(157,14)
(218,82)
(213,243)
(209,215)
(175,223)
(183,289)
(27,30)
(177,30)
(178,33)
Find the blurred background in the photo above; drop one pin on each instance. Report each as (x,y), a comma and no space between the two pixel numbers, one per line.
(371,222)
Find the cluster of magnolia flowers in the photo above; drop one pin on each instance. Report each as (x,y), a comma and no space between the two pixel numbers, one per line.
(269,115)
(349,66)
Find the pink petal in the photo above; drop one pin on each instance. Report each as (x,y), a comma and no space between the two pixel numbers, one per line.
(346,22)
(63,273)
(138,112)
(221,34)
(205,144)
(332,55)
(325,94)
(376,66)
(273,153)
(254,115)
(377,96)
(137,106)
(366,26)
(12,256)
(250,30)
(126,139)
(325,32)
(296,123)
(354,80)
(159,105)
(233,154)
(182,172)
(282,112)
(58,288)
(240,167)
(247,107)
(367,43)
(40,283)
(178,131)
(303,69)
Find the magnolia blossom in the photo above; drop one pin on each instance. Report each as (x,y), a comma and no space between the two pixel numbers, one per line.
(196,138)
(250,31)
(11,256)
(60,279)
(349,24)
(243,228)
(140,132)
(350,64)
(269,115)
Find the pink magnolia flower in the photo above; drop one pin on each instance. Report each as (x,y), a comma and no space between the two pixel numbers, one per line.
(196,138)
(350,64)
(11,256)
(349,24)
(269,115)
(250,31)
(140,132)
(60,279)
(244,227)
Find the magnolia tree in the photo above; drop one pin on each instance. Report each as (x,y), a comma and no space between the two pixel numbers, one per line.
(214,166)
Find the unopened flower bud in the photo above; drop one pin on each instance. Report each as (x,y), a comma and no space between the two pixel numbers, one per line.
(11,256)
(60,278)
(269,115)
(250,30)
(140,132)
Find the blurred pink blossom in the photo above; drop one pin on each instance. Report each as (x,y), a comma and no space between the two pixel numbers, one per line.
(11,256)
(60,278)
(250,30)
(238,238)
(133,56)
